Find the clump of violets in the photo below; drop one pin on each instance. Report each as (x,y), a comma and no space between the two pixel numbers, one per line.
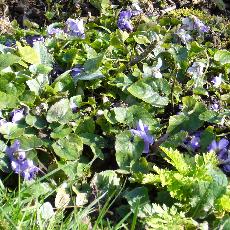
(142,131)
(75,27)
(19,163)
(124,20)
(221,149)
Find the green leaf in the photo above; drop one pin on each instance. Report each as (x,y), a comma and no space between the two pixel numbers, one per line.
(101,5)
(30,142)
(106,181)
(38,84)
(68,148)
(128,149)
(89,76)
(11,130)
(189,119)
(45,57)
(222,56)
(146,93)
(137,197)
(95,142)
(29,54)
(60,112)
(7,100)
(7,60)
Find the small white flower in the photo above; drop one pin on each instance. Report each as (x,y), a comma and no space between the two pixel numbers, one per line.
(217,81)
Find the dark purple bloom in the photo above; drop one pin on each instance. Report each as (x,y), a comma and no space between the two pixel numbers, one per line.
(19,163)
(17,115)
(76,71)
(143,132)
(9,43)
(75,27)
(124,22)
(193,142)
(31,39)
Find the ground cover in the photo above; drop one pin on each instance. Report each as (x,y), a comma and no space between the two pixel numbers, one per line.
(114,115)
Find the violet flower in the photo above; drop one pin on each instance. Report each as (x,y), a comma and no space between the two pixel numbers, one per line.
(124,22)
(214,107)
(194,142)
(184,36)
(77,71)
(31,39)
(75,27)
(51,30)
(19,163)
(142,131)
(222,151)
(17,115)
(220,146)
(194,23)
(196,69)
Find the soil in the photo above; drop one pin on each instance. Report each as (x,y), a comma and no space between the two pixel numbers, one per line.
(34,10)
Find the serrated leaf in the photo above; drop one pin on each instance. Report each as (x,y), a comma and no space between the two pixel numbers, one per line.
(68,148)
(146,93)
(29,54)
(60,112)
(7,60)
(38,84)
(222,56)
(128,149)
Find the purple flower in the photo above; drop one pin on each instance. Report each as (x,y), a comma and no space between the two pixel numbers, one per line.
(143,132)
(51,30)
(223,154)
(194,23)
(17,115)
(199,25)
(219,147)
(194,142)
(76,71)
(184,36)
(9,43)
(75,27)
(31,39)
(124,22)
(215,107)
(19,163)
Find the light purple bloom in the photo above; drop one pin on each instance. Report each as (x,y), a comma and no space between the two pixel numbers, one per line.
(215,107)
(19,163)
(184,36)
(51,30)
(199,25)
(75,27)
(124,22)
(196,69)
(143,132)
(194,23)
(17,115)
(217,81)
